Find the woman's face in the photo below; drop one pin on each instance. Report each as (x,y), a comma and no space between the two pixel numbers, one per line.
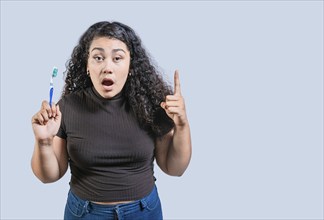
(108,65)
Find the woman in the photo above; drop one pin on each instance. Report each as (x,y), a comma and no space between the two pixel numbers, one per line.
(116,115)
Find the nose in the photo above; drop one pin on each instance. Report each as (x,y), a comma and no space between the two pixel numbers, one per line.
(107,67)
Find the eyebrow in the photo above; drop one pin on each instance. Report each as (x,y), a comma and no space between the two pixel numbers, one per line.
(103,50)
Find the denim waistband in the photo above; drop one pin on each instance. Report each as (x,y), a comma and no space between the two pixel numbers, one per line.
(80,206)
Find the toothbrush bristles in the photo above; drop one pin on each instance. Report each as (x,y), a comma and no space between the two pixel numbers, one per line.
(55,70)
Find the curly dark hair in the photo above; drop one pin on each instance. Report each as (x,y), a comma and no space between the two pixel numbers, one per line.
(144,90)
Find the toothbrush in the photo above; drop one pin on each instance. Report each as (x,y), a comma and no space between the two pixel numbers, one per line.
(54,74)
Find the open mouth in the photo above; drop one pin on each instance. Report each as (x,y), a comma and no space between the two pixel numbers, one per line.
(107,82)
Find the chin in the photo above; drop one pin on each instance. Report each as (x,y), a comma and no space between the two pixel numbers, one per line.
(109,96)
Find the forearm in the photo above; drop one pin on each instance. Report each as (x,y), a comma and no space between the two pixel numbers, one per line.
(179,152)
(44,162)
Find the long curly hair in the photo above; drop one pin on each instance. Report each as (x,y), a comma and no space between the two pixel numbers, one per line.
(144,90)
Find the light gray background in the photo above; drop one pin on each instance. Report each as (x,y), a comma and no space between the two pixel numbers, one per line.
(252,77)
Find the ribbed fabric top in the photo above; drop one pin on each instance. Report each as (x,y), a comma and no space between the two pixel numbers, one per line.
(110,155)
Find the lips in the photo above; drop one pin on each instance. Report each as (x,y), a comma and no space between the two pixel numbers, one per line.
(107,83)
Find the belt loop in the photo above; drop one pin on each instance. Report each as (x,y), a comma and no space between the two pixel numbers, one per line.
(86,206)
(143,203)
(117,213)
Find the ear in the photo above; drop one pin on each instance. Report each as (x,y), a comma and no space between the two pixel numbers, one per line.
(130,72)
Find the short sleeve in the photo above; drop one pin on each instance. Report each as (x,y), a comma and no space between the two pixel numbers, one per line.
(61,132)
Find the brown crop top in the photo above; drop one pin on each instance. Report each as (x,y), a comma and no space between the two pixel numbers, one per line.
(110,155)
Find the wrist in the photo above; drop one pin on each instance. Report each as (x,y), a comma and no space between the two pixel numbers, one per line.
(45,142)
(182,126)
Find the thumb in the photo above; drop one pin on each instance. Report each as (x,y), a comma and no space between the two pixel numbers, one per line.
(163,104)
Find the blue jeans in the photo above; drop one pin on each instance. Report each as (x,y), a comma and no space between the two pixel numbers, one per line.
(148,208)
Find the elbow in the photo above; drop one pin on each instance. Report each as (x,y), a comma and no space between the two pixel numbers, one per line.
(49,179)
(46,181)
(175,172)
(43,178)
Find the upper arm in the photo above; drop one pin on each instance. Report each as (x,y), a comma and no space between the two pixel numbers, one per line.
(162,145)
(60,150)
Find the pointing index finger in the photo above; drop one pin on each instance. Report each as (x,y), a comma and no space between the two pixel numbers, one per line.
(177,90)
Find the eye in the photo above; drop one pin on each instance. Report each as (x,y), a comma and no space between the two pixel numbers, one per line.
(98,58)
(117,59)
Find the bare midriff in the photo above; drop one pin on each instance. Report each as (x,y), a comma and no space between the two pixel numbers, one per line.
(112,203)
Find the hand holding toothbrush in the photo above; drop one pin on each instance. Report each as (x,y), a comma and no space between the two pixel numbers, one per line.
(47,120)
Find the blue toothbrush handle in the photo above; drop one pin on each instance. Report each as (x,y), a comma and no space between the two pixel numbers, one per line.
(51,96)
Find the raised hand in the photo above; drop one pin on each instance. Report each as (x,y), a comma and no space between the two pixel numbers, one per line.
(174,105)
(46,122)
